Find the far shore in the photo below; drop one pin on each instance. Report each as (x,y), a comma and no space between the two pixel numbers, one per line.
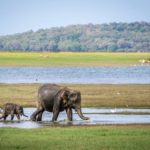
(61,59)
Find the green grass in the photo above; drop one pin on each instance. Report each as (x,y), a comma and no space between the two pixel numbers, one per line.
(77,138)
(70,59)
(93,95)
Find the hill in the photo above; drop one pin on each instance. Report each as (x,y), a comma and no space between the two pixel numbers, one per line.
(114,37)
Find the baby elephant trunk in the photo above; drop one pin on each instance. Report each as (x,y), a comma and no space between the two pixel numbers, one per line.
(24,115)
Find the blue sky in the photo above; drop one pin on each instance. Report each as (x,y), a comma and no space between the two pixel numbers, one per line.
(18,16)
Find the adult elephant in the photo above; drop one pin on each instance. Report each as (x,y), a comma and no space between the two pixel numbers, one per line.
(12,109)
(54,98)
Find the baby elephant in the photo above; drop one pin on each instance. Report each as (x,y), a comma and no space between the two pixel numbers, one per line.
(12,109)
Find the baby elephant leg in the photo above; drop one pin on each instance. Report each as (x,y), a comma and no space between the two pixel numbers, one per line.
(18,116)
(5,116)
(2,117)
(12,115)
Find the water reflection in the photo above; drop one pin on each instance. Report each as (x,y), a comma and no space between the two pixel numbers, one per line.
(97,117)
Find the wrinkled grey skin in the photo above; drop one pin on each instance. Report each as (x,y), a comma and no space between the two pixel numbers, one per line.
(54,98)
(12,109)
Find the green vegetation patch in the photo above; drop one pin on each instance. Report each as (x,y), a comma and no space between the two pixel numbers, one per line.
(83,138)
(71,59)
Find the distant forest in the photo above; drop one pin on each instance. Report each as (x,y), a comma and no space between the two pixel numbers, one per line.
(113,37)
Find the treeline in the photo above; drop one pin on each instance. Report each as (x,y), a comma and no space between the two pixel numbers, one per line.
(115,37)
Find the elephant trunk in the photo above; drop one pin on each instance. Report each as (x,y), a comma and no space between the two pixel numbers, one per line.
(80,114)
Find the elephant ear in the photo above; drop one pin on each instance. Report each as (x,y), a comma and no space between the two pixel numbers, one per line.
(74,96)
(64,95)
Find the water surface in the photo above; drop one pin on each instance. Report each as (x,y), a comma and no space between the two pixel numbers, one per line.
(84,75)
(97,117)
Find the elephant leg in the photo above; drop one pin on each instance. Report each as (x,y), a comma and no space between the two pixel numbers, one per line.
(69,114)
(55,115)
(18,116)
(34,115)
(39,116)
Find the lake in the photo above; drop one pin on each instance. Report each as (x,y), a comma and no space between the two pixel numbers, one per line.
(83,75)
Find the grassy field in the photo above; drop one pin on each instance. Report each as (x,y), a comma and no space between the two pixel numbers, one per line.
(129,137)
(70,59)
(93,95)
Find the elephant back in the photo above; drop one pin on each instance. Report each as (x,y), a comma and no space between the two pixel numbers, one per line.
(49,87)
